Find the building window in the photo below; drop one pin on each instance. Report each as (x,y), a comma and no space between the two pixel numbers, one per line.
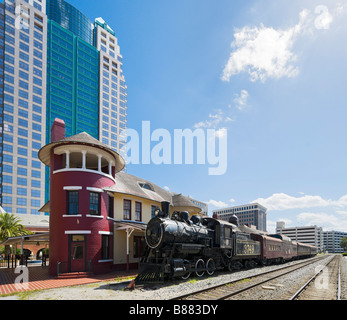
(110,207)
(153,211)
(94,201)
(72,202)
(138,211)
(126,209)
(105,247)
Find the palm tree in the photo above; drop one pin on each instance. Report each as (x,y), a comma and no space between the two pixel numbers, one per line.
(10,227)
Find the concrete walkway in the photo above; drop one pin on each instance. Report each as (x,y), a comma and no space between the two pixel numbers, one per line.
(40,279)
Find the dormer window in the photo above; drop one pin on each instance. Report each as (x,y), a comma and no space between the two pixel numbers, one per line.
(146,185)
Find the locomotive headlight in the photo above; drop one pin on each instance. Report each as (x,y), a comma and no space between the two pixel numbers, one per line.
(154,233)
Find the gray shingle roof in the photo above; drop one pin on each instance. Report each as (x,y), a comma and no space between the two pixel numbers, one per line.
(129,184)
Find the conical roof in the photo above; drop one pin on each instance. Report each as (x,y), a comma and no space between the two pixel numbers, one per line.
(82,138)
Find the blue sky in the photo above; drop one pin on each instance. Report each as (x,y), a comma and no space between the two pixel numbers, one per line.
(271,73)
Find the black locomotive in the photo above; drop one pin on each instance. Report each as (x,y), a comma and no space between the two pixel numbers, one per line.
(179,246)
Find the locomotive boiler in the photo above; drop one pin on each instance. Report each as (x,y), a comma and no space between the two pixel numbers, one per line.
(163,232)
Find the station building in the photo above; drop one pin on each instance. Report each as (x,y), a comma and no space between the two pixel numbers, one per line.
(98,213)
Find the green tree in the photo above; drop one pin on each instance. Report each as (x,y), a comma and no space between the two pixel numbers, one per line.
(10,227)
(343,243)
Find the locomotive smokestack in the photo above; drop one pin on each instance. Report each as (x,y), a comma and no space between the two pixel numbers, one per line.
(165,208)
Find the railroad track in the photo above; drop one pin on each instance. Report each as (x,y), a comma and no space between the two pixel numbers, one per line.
(325,283)
(233,289)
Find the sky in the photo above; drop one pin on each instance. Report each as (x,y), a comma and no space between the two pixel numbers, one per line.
(268,76)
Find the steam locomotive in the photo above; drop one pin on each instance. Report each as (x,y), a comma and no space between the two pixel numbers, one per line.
(179,246)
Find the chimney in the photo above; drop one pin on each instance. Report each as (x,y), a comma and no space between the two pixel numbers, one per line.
(58,130)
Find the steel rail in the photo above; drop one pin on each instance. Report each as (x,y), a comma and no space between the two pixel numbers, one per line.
(181,297)
(339,281)
(296,294)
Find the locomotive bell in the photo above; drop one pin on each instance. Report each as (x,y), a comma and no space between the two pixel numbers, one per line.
(234,220)
(184,215)
(196,219)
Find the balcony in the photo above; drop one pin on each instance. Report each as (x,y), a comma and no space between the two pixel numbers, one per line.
(85,159)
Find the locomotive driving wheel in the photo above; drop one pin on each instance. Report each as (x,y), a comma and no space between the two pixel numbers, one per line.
(210,266)
(186,276)
(200,268)
(186,267)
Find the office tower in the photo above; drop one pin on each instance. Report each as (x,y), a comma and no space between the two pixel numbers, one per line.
(248,214)
(112,87)
(57,64)
(23,105)
(86,87)
(72,71)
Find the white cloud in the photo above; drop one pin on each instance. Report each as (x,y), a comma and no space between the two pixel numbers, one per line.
(222,117)
(218,204)
(325,220)
(264,52)
(331,216)
(214,120)
(341,202)
(342,213)
(232,200)
(241,99)
(282,201)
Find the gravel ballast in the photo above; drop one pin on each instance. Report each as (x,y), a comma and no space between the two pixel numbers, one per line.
(113,290)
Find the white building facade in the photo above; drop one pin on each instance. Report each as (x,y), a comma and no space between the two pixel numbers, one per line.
(311,235)
(332,240)
(248,214)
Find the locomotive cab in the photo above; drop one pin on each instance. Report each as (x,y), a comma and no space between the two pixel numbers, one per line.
(223,232)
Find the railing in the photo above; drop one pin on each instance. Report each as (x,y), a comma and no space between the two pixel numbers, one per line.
(12,261)
(62,267)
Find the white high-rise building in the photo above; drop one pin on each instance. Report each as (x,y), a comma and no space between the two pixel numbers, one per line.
(112,87)
(24,105)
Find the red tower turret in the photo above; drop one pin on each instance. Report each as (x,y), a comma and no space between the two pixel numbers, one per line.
(81,212)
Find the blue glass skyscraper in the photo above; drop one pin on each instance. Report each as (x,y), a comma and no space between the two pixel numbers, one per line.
(73,82)
(56,64)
